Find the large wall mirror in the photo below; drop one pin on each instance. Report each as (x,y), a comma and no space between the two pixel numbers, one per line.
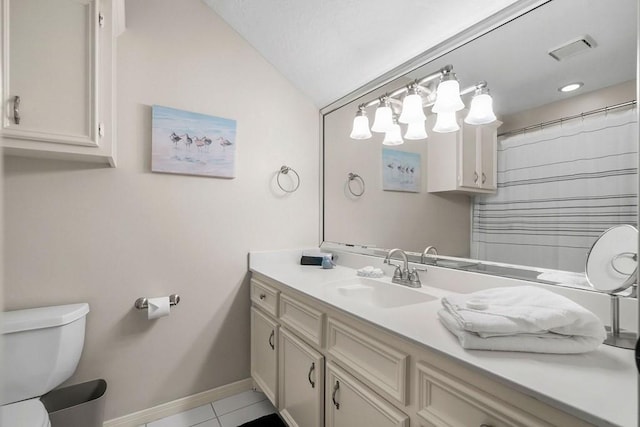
(566,163)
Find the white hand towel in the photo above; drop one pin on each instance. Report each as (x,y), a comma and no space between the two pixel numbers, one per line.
(522,310)
(533,343)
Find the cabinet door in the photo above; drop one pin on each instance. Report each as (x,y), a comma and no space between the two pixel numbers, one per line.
(349,403)
(264,353)
(57,74)
(468,156)
(301,382)
(487,156)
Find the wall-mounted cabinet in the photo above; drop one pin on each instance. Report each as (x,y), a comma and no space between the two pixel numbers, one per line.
(463,161)
(57,86)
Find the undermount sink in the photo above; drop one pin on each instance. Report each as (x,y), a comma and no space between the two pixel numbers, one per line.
(376,293)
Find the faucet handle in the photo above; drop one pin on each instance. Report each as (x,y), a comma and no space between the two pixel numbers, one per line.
(397,273)
(414,277)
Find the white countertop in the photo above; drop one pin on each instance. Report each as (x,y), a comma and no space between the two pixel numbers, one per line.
(599,387)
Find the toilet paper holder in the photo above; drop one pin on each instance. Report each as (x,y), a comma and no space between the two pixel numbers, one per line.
(142,303)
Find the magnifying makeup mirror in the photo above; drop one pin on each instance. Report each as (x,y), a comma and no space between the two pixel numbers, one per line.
(612,267)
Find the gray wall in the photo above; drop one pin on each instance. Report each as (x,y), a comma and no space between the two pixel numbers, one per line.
(75,232)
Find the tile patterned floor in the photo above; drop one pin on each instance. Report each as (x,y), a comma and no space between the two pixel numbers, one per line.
(228,412)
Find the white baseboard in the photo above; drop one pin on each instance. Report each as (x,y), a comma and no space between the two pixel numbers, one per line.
(180,405)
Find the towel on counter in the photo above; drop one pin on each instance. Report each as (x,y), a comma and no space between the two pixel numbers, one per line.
(532,343)
(536,317)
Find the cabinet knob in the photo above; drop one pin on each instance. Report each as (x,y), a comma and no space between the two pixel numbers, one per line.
(271,344)
(311,369)
(262,297)
(336,387)
(16,110)
(486,425)
(475,177)
(484,178)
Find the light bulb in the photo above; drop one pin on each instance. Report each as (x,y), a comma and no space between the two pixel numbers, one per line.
(481,111)
(393,136)
(415,130)
(412,109)
(383,119)
(360,128)
(448,96)
(446,122)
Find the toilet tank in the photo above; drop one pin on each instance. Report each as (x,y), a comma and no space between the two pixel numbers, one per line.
(41,349)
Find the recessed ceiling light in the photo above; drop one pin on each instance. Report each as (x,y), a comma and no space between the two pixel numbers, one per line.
(571,87)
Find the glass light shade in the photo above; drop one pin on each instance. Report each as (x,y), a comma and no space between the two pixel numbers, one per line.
(412,109)
(481,111)
(446,122)
(383,120)
(448,97)
(393,136)
(415,130)
(360,128)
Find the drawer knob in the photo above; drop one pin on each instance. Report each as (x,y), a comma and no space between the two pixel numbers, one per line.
(262,297)
(336,387)
(311,369)
(271,344)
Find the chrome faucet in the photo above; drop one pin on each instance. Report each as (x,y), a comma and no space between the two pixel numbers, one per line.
(426,252)
(403,276)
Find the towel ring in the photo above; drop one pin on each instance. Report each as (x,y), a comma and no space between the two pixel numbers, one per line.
(284,170)
(353,177)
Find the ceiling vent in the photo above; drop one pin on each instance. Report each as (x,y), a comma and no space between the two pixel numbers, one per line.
(574,47)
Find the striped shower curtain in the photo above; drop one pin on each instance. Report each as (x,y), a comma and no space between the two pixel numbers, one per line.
(558,189)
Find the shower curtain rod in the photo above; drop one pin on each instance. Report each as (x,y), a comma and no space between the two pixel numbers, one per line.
(564,119)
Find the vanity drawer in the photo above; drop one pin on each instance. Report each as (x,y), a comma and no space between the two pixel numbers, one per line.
(446,401)
(302,319)
(265,297)
(378,365)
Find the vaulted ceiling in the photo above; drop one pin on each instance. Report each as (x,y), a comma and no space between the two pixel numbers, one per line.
(328,48)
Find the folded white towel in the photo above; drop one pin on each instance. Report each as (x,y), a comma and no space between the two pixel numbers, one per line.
(533,343)
(566,278)
(369,271)
(522,310)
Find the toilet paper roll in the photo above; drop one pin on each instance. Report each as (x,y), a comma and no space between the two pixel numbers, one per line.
(158,307)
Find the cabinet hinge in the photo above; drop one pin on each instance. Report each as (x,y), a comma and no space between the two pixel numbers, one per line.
(100,20)
(100,130)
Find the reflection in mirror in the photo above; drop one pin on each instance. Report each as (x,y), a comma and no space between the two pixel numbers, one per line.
(534,189)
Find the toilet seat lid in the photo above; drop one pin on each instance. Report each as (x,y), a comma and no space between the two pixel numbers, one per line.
(30,413)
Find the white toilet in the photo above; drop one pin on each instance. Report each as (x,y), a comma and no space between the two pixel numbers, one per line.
(41,349)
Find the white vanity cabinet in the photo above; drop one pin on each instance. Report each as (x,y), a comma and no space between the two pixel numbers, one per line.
(301,382)
(57,86)
(264,338)
(350,403)
(264,353)
(463,161)
(322,366)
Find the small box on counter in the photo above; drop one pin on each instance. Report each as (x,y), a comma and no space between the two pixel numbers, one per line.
(313,258)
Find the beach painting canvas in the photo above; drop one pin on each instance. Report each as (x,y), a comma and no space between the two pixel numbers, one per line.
(189,143)
(400,171)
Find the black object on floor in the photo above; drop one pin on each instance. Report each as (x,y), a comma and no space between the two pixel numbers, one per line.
(272,420)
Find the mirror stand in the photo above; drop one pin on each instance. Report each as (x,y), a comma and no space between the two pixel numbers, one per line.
(616,337)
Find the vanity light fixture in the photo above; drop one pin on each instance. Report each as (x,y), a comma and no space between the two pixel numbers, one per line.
(394,135)
(361,125)
(571,87)
(448,93)
(445,99)
(416,130)
(481,110)
(446,122)
(412,110)
(384,116)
